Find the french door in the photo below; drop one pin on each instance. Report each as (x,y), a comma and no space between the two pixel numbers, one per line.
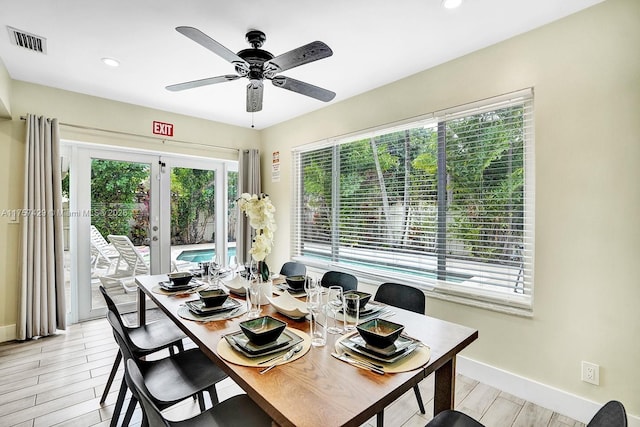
(170,211)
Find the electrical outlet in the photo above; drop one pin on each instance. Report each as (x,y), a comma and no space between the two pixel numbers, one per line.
(590,373)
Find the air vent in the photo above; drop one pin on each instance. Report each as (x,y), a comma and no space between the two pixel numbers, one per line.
(27,40)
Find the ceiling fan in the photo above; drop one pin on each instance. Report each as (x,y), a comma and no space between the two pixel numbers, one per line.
(257,64)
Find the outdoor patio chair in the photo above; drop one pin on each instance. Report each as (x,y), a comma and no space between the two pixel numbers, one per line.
(293,268)
(347,281)
(102,252)
(238,410)
(130,262)
(408,298)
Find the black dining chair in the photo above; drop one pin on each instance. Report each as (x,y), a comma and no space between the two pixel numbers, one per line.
(293,268)
(237,411)
(408,298)
(145,339)
(611,414)
(452,418)
(347,281)
(171,379)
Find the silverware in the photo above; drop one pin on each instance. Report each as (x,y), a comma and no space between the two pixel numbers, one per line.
(358,363)
(288,355)
(373,365)
(387,314)
(277,356)
(231,313)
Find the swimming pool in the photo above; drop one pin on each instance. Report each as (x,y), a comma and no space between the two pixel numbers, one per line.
(201,255)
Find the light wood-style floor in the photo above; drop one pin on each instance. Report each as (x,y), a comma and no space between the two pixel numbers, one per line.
(58,381)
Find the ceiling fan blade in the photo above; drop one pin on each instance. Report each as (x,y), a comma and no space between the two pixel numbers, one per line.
(255,90)
(302,55)
(215,47)
(303,88)
(202,82)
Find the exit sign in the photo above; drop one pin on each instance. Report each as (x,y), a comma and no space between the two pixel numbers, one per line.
(161,128)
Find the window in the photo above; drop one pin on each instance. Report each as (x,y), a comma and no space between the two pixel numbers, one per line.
(444,203)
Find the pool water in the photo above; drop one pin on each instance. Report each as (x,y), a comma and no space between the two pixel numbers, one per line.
(201,255)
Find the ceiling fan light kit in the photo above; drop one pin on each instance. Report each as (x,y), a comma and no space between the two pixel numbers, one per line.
(257,64)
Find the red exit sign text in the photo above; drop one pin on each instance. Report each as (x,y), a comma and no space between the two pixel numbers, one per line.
(161,128)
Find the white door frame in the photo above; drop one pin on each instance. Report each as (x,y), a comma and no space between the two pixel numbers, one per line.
(159,211)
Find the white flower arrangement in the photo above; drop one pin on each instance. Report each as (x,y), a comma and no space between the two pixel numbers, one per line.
(260,211)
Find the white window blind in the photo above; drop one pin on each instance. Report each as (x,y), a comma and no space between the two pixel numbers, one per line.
(444,202)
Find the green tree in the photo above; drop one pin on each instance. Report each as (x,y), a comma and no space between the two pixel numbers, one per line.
(119,198)
(192,204)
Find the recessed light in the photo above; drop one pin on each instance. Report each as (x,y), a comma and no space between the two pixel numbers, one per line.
(451,4)
(111,62)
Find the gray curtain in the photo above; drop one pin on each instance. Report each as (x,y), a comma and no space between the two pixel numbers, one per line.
(248,182)
(42,294)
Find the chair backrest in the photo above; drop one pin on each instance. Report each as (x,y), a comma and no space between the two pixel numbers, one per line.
(121,336)
(612,414)
(111,305)
(129,253)
(98,240)
(347,281)
(402,296)
(135,381)
(293,268)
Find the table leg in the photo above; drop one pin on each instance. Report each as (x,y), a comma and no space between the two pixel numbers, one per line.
(142,308)
(444,387)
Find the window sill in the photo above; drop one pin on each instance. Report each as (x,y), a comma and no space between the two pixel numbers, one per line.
(513,304)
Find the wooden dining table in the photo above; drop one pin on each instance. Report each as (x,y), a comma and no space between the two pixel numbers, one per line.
(318,389)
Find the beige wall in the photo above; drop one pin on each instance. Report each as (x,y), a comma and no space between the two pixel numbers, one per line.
(5,90)
(585,71)
(82,110)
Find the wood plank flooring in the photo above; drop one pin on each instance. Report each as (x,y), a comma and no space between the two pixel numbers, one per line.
(58,381)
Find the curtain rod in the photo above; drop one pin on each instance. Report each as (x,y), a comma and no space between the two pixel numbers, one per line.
(144,136)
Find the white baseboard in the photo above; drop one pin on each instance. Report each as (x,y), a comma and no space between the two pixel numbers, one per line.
(7,333)
(560,401)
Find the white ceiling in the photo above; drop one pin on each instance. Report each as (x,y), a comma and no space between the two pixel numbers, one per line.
(375,42)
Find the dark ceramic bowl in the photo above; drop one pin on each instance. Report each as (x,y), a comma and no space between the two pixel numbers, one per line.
(180,278)
(213,297)
(364,299)
(379,332)
(296,282)
(262,330)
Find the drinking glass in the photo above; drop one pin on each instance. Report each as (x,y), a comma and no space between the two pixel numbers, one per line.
(335,302)
(253,299)
(317,312)
(351,311)
(309,285)
(214,272)
(233,265)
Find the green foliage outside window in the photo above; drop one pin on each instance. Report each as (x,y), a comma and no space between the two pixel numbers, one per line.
(388,189)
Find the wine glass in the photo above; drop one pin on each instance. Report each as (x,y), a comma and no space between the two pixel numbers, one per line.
(214,271)
(233,265)
(335,303)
